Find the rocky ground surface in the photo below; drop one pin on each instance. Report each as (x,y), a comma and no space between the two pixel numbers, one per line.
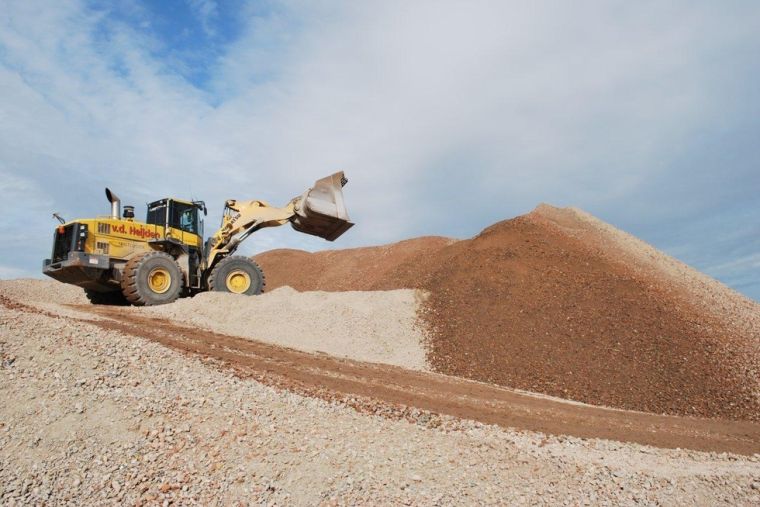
(92,416)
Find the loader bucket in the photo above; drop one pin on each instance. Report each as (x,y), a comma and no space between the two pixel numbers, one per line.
(320,211)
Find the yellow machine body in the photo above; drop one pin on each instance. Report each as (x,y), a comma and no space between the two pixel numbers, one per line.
(157,260)
(122,239)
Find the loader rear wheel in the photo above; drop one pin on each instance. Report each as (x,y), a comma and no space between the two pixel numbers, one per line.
(113,298)
(239,275)
(153,278)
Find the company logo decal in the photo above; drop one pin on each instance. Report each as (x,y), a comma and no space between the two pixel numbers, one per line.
(129,230)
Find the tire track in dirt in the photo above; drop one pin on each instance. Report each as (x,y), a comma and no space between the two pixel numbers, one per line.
(367,386)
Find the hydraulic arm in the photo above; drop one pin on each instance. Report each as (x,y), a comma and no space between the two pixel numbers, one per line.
(320,211)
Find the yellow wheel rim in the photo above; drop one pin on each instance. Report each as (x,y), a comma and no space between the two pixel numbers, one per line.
(159,280)
(238,281)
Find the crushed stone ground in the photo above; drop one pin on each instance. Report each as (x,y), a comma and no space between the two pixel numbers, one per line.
(97,417)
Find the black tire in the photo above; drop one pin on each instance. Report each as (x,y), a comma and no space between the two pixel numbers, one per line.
(113,298)
(227,271)
(153,278)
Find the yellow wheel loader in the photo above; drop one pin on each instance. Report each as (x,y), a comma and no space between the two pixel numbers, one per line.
(119,260)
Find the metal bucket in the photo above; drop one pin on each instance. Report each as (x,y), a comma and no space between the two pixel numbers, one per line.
(320,211)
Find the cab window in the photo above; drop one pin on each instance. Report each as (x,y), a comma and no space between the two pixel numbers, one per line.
(184,217)
(157,212)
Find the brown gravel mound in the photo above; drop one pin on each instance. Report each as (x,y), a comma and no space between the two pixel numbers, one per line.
(347,270)
(560,303)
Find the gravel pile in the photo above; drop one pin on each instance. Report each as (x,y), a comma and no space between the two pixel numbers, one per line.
(736,316)
(560,303)
(42,292)
(355,269)
(96,417)
(378,327)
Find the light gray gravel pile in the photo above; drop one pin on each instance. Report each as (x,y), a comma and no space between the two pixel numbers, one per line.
(45,291)
(377,326)
(95,417)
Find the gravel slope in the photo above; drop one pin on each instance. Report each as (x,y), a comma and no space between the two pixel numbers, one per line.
(371,326)
(96,417)
(43,292)
(558,302)
(379,326)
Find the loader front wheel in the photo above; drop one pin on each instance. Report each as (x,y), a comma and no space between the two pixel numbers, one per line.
(153,278)
(239,275)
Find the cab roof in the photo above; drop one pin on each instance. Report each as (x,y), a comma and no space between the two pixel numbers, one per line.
(175,199)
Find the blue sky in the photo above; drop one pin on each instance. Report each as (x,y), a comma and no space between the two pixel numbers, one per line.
(446,116)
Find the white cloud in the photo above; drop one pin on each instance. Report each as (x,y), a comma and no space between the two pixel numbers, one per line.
(446,116)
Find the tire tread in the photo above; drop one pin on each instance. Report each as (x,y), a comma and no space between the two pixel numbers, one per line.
(210,281)
(129,277)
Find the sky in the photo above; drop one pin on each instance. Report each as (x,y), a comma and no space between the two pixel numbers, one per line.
(446,116)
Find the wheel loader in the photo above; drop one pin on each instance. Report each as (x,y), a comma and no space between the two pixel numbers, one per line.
(120,260)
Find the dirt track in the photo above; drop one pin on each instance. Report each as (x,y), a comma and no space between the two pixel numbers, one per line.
(368,386)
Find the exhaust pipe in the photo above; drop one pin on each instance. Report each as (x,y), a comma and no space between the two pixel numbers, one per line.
(115,204)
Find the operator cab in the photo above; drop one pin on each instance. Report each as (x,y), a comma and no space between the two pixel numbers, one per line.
(186,217)
(178,214)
